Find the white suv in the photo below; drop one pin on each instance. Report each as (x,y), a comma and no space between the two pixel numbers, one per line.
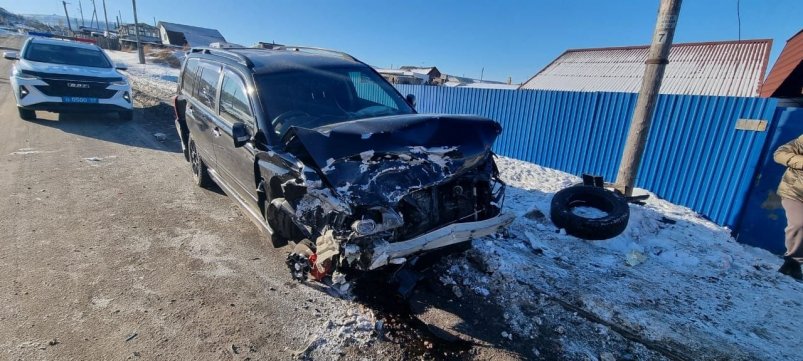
(64,76)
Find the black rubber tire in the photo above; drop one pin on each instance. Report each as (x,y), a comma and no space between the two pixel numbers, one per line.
(281,224)
(200,175)
(126,115)
(27,114)
(606,227)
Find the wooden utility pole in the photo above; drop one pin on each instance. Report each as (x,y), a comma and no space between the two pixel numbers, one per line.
(105,17)
(81,10)
(95,19)
(136,30)
(657,58)
(69,25)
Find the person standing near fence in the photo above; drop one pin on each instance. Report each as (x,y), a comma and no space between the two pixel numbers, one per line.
(790,155)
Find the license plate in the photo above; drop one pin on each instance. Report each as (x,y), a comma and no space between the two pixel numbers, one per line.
(79,100)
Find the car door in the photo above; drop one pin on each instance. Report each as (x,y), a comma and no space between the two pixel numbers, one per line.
(202,109)
(236,164)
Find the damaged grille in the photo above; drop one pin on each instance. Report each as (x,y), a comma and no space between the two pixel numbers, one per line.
(466,199)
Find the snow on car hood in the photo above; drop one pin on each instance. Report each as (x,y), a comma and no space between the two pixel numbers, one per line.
(379,160)
(49,68)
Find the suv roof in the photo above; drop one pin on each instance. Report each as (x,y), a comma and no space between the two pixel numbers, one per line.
(263,61)
(76,44)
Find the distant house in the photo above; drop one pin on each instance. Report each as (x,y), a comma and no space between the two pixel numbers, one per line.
(266,45)
(464,82)
(399,76)
(491,85)
(432,73)
(786,78)
(432,76)
(148,34)
(186,35)
(730,68)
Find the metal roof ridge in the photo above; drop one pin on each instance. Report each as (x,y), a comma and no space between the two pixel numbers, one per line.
(634,47)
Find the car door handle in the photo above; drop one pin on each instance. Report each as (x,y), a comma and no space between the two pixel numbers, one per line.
(216,132)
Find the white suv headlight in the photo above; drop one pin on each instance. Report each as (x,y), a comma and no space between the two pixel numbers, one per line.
(24,75)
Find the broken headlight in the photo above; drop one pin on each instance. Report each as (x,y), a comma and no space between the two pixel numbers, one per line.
(364,227)
(377,220)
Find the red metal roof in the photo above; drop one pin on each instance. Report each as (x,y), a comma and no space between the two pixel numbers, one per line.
(786,77)
(734,68)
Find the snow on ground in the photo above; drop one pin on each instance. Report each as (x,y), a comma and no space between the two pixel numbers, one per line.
(157,80)
(672,280)
(672,277)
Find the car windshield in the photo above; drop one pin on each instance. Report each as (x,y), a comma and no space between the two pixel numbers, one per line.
(66,55)
(312,99)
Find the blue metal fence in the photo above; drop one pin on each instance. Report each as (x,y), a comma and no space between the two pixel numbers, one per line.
(763,220)
(695,155)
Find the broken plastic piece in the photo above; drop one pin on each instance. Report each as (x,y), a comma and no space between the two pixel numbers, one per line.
(319,272)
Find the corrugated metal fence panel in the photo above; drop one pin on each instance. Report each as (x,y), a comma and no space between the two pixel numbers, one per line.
(695,156)
(613,112)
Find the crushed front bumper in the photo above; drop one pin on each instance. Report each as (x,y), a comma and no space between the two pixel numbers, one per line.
(439,238)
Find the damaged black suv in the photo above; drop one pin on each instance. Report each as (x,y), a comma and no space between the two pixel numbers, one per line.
(319,149)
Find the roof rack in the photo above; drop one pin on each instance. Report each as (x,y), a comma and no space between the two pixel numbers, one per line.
(240,58)
(311,49)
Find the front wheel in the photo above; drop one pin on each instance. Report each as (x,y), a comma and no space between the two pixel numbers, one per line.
(199,172)
(27,114)
(277,214)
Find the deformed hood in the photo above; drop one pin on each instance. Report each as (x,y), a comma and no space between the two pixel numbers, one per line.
(379,160)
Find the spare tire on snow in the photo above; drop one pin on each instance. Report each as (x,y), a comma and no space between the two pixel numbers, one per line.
(606,226)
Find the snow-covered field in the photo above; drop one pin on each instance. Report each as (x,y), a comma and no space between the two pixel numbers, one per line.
(672,279)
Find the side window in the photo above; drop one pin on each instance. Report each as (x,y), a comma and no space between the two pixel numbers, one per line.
(368,89)
(207,85)
(234,104)
(188,78)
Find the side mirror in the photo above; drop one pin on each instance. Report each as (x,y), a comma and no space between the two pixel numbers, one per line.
(120,66)
(11,55)
(410,100)
(240,134)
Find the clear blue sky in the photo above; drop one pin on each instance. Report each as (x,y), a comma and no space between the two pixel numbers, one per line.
(506,37)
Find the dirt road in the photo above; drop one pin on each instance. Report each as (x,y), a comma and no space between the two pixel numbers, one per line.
(108,251)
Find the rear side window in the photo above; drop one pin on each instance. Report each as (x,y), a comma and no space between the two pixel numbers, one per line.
(207,84)
(188,78)
(234,104)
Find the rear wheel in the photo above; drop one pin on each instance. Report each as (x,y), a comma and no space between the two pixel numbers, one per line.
(126,115)
(27,114)
(199,171)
